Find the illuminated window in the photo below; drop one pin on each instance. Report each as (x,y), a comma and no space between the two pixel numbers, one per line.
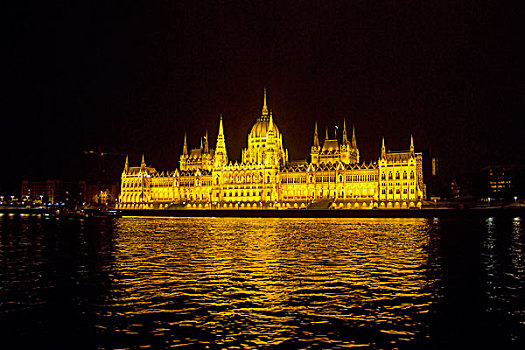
(412,174)
(390,175)
(383,191)
(390,191)
(397,175)
(404,175)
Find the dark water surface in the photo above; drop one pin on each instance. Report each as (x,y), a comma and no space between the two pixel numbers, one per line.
(262,283)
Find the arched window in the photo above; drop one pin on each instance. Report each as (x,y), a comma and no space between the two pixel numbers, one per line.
(404,175)
(412,174)
(390,175)
(311,179)
(383,176)
(397,175)
(340,178)
(390,191)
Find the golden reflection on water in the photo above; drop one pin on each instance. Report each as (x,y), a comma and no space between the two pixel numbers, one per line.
(235,282)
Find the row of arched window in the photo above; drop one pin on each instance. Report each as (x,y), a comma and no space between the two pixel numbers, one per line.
(398,175)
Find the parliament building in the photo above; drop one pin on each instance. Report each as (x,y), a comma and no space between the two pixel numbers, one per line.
(335,177)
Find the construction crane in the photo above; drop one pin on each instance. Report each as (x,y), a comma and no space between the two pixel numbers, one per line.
(101,176)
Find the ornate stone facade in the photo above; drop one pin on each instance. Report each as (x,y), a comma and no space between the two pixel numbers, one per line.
(265,178)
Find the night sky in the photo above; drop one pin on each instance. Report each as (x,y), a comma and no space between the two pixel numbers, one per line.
(132,77)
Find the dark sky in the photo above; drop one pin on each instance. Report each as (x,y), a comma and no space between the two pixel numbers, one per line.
(132,77)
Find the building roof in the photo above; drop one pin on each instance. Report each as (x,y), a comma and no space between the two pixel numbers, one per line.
(330,146)
(261,128)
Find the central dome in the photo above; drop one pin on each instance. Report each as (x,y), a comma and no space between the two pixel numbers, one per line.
(261,128)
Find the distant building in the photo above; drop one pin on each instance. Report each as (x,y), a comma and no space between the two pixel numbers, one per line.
(54,191)
(265,177)
(102,193)
(502,181)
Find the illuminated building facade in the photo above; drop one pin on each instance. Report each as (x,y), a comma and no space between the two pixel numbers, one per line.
(54,191)
(266,178)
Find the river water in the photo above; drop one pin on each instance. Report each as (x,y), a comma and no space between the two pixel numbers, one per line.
(245,283)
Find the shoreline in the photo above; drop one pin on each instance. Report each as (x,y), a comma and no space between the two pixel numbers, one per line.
(327,213)
(289,213)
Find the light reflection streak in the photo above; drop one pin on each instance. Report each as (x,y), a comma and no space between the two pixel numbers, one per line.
(249,282)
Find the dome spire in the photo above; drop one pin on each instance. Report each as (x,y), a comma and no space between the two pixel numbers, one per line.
(265,107)
(221,130)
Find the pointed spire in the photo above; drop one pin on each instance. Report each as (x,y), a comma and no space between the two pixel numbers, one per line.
(221,155)
(185,147)
(411,144)
(316,137)
(126,166)
(221,130)
(206,147)
(265,107)
(270,126)
(143,162)
(345,138)
(201,143)
(354,142)
(383,149)
(326,135)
